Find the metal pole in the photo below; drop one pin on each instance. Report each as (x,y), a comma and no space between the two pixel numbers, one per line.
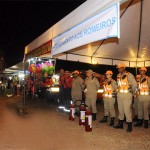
(54,66)
(140,30)
(136,68)
(24,100)
(34,84)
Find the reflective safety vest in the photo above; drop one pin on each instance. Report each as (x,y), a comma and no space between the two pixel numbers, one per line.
(123,83)
(143,87)
(108,90)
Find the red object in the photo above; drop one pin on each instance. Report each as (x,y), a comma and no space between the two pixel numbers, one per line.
(82,115)
(68,82)
(38,69)
(32,68)
(49,81)
(72,112)
(32,90)
(88,120)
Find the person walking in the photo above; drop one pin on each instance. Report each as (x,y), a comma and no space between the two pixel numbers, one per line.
(143,97)
(110,87)
(126,87)
(92,85)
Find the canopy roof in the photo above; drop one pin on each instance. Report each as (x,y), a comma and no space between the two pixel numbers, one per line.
(133,47)
(14,69)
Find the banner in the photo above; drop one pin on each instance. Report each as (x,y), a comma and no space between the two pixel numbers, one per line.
(43,49)
(104,25)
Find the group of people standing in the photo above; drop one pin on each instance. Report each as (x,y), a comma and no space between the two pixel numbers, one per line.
(10,86)
(66,85)
(124,89)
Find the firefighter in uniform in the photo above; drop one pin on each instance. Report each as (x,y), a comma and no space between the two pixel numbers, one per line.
(143,97)
(61,86)
(109,87)
(126,87)
(77,87)
(92,85)
(138,78)
(67,88)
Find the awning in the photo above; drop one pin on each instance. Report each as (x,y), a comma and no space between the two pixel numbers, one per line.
(131,49)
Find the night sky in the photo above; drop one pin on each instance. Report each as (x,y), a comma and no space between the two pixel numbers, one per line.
(23,21)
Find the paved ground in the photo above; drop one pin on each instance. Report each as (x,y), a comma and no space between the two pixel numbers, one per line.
(46,128)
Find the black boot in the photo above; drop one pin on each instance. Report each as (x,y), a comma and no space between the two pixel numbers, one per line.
(129,129)
(94,116)
(119,125)
(139,123)
(135,119)
(111,122)
(104,119)
(145,123)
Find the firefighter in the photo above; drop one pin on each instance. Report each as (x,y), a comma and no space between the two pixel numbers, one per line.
(77,86)
(109,94)
(61,86)
(126,87)
(143,96)
(138,78)
(92,85)
(67,88)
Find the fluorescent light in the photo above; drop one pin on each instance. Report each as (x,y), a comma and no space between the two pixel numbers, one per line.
(54,89)
(21,75)
(100,91)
